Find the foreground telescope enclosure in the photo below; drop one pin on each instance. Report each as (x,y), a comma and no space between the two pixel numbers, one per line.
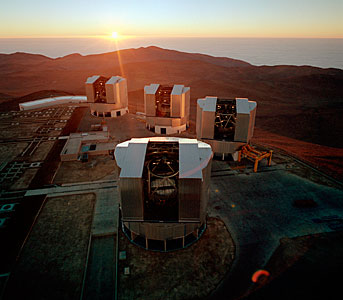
(164,187)
(107,97)
(225,124)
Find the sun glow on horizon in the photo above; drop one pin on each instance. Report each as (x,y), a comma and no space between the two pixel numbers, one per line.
(115,36)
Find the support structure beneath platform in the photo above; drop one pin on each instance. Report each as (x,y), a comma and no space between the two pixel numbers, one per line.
(252,154)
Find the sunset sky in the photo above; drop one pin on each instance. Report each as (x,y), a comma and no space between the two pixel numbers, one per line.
(198,18)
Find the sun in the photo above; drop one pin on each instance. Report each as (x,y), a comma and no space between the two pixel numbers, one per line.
(114,35)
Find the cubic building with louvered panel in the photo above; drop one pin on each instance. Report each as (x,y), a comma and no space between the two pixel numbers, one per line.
(164,189)
(167,108)
(107,97)
(225,124)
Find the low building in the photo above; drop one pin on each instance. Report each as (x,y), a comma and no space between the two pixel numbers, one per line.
(225,124)
(167,108)
(48,102)
(107,97)
(88,143)
(164,189)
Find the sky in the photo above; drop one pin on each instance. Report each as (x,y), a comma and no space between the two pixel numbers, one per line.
(187,18)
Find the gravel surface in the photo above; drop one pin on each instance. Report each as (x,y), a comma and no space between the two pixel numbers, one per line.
(191,273)
(52,262)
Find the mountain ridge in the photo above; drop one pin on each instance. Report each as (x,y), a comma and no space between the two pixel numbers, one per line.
(288,97)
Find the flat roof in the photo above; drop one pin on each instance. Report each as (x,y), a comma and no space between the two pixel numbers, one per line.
(252,105)
(242,106)
(92,79)
(52,101)
(177,89)
(151,89)
(186,89)
(100,146)
(189,160)
(208,104)
(194,155)
(72,147)
(134,160)
(76,139)
(90,136)
(114,79)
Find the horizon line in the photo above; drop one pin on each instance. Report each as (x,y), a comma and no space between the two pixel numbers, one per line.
(123,37)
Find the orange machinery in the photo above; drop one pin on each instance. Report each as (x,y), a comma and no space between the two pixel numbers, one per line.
(250,153)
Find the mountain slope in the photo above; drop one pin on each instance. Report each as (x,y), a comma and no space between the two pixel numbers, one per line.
(299,102)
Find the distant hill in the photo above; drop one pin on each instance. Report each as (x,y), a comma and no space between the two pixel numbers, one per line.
(22,58)
(304,103)
(4,97)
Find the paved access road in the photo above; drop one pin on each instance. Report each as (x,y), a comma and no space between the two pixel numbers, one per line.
(74,188)
(257,210)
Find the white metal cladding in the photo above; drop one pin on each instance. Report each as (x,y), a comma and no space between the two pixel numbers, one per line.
(189,199)
(162,231)
(245,122)
(205,191)
(114,79)
(177,89)
(151,89)
(208,103)
(189,160)
(90,92)
(242,106)
(198,121)
(116,91)
(51,101)
(252,106)
(194,155)
(131,160)
(92,79)
(242,127)
(193,187)
(186,89)
(175,105)
(187,102)
(131,190)
(206,109)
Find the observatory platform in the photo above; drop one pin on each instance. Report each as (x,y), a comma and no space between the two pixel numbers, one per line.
(257,209)
(164,188)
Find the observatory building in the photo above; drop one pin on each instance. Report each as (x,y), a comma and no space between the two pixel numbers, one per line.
(167,108)
(225,124)
(164,187)
(107,97)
